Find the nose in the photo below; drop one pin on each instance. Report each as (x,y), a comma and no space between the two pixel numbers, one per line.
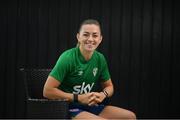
(90,38)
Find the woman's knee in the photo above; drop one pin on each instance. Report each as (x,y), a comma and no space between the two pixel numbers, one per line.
(87,115)
(114,112)
(132,115)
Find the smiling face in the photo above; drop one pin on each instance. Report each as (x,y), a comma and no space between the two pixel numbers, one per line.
(89,37)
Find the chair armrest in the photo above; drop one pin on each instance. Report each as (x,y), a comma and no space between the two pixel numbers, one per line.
(45,108)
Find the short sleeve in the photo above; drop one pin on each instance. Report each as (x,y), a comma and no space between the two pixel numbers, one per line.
(105,75)
(61,68)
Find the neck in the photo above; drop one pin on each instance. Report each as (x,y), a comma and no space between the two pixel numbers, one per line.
(86,54)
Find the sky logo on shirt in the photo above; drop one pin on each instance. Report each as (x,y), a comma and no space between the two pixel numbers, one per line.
(84,88)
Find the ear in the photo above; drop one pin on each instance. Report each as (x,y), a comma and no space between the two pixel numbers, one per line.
(77,36)
(101,38)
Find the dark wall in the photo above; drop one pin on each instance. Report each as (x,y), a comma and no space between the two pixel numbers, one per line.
(140,42)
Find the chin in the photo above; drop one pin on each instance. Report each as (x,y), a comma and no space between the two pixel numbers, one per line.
(90,49)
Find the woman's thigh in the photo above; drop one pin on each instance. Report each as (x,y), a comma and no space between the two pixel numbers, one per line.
(87,115)
(112,112)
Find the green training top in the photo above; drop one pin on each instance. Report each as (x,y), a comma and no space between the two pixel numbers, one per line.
(78,75)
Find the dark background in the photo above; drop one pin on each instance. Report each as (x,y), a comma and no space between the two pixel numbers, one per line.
(140,43)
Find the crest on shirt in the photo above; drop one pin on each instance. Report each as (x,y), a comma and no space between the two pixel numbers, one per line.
(80,72)
(95,70)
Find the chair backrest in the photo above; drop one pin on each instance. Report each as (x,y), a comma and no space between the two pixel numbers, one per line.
(34,80)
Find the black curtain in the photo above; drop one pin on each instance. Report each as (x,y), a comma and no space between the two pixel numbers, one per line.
(140,43)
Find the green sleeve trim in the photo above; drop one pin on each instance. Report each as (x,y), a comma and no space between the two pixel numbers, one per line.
(105,75)
(61,68)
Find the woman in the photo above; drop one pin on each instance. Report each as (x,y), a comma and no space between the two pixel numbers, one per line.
(76,73)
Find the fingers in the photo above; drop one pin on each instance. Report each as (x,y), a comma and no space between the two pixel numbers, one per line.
(84,98)
(91,99)
(98,95)
(94,98)
(92,103)
(97,100)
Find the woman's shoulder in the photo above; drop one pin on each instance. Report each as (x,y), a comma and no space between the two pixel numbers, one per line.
(99,54)
(68,53)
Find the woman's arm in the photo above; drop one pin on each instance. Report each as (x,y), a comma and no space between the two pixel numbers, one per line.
(51,90)
(108,87)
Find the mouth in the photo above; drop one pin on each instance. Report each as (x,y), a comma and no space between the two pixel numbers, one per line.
(90,43)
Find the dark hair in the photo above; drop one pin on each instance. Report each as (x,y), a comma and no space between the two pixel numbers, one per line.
(90,21)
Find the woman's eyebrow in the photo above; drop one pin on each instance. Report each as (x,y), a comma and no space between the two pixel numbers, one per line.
(90,33)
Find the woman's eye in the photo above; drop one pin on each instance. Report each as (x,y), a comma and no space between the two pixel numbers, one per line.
(86,35)
(95,36)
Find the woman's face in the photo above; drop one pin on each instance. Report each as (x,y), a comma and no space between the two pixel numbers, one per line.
(89,37)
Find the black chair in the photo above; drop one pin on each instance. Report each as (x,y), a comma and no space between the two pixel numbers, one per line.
(37,105)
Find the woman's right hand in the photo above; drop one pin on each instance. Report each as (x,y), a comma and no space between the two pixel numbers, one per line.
(86,98)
